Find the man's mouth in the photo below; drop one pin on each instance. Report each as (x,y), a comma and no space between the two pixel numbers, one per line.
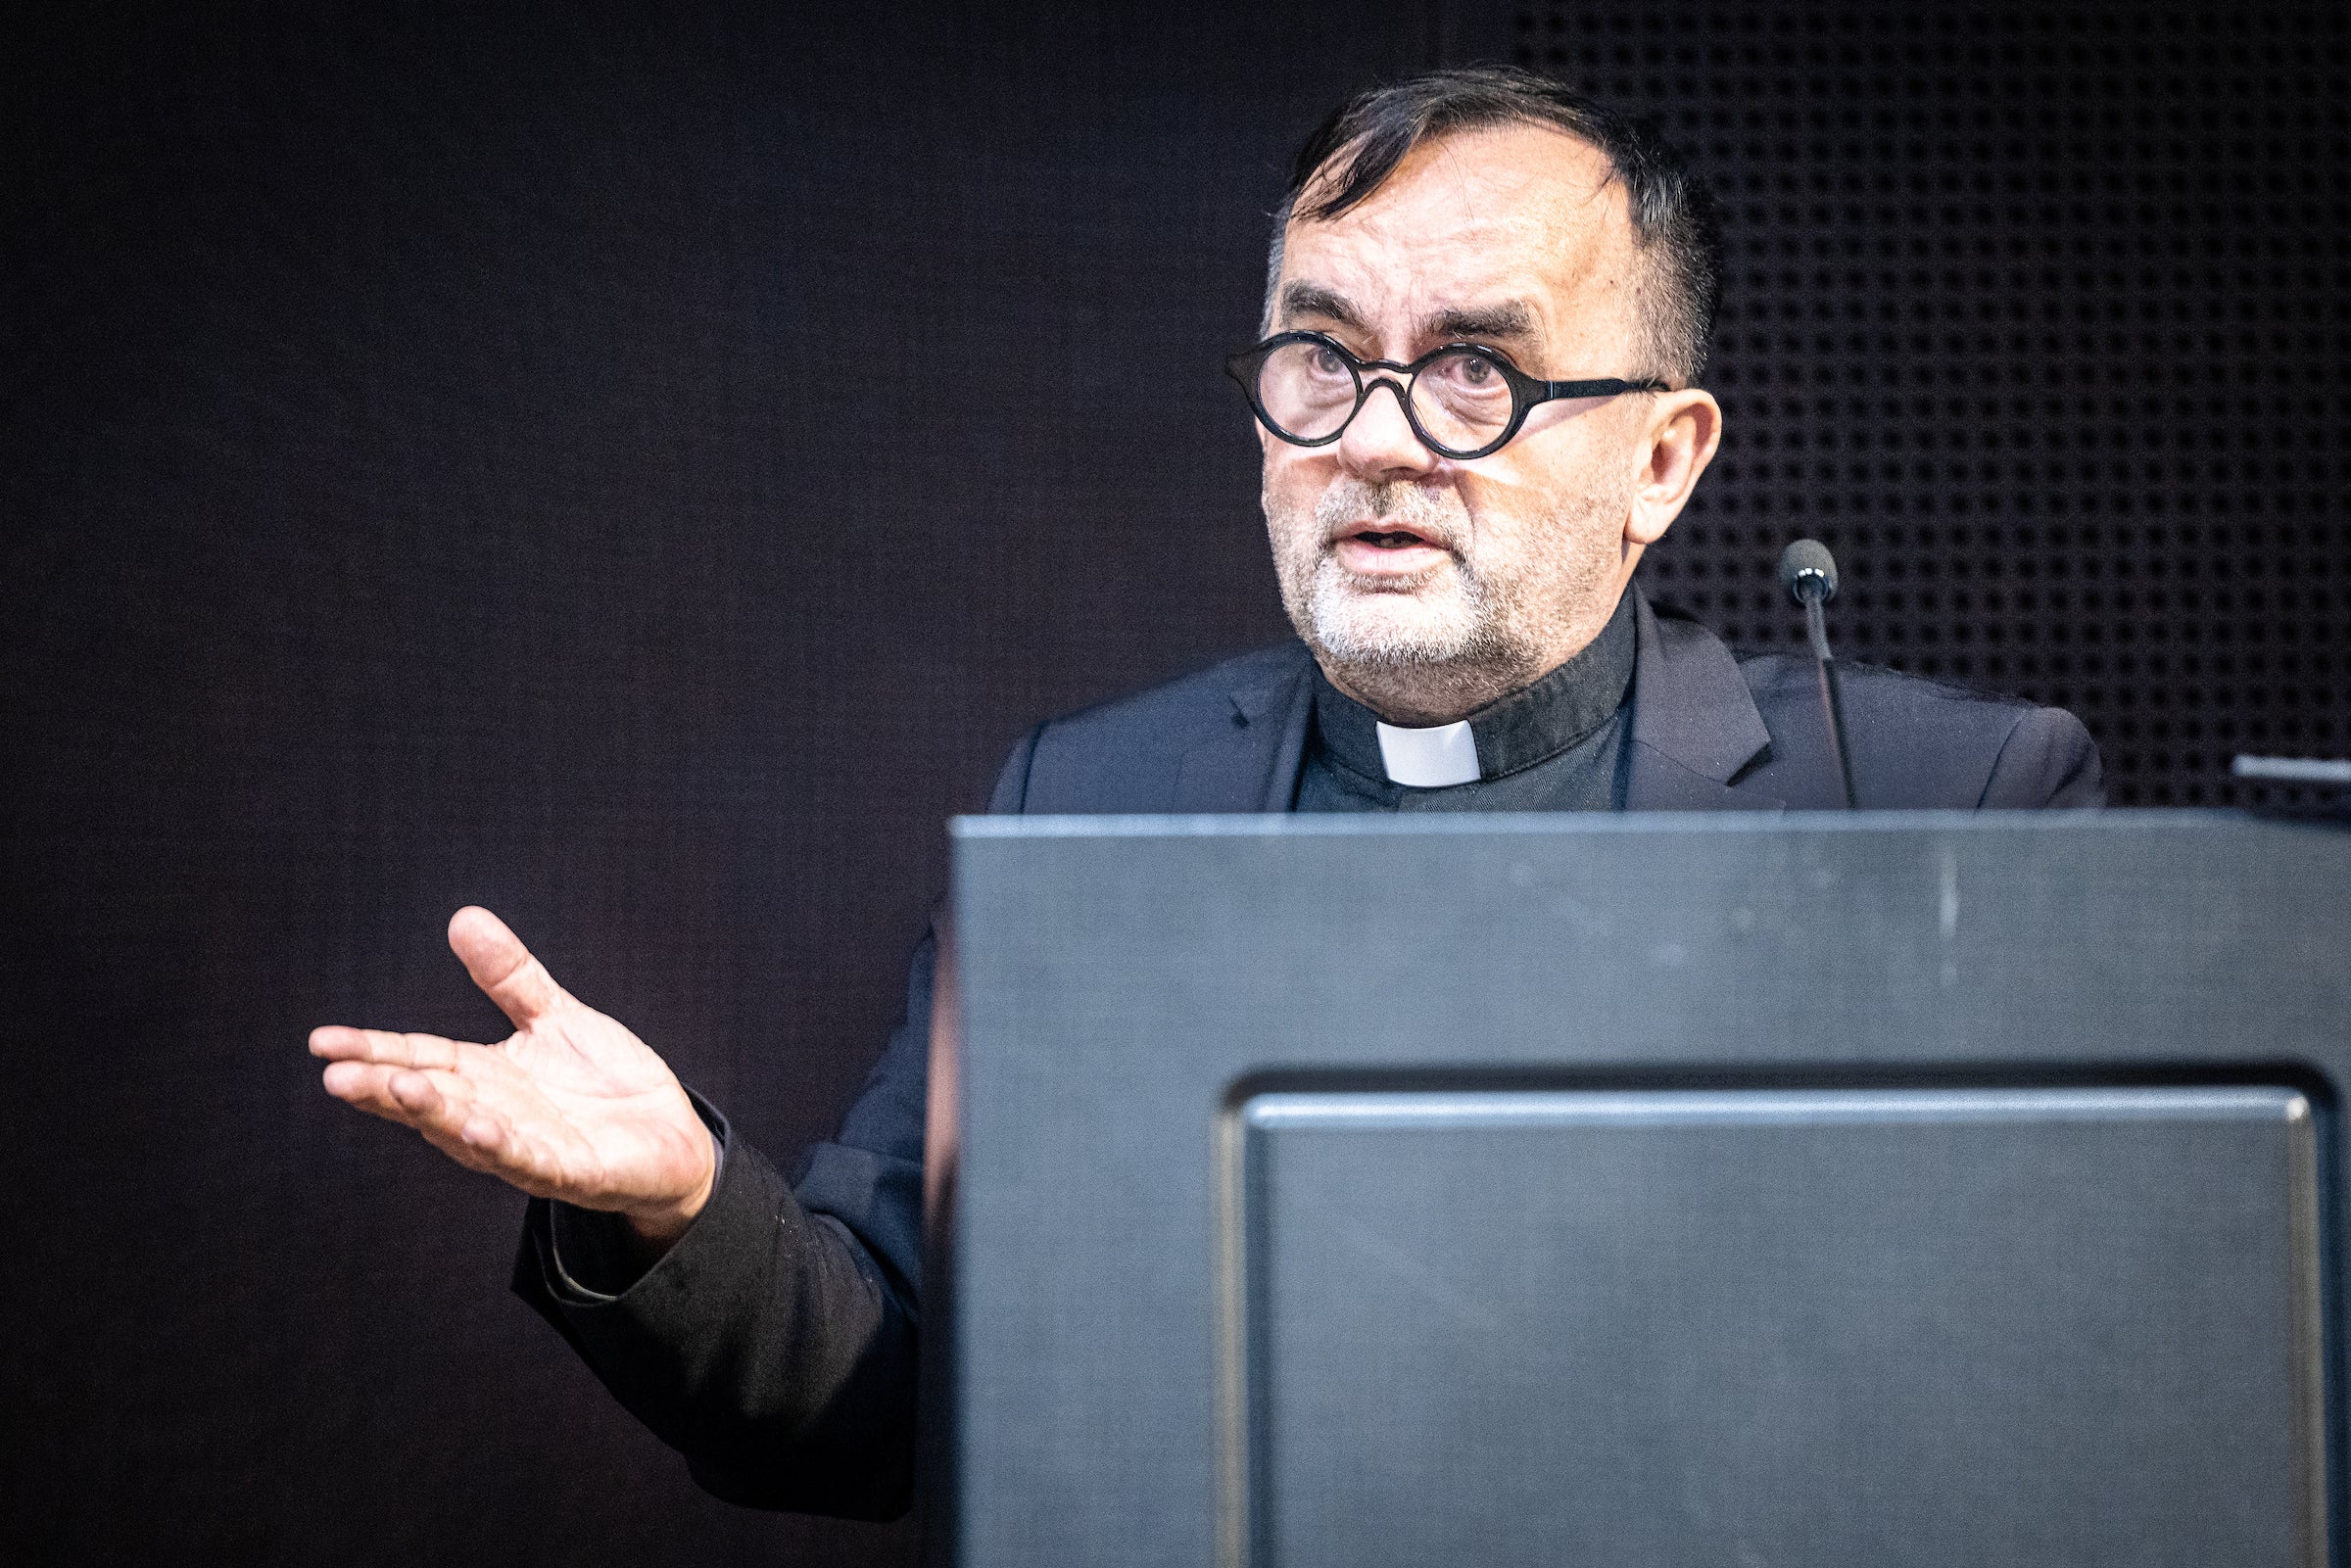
(1374,551)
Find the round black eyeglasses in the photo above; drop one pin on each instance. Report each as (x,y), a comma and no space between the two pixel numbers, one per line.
(1463,400)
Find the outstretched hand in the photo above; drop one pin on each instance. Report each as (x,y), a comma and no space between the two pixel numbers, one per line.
(571,1106)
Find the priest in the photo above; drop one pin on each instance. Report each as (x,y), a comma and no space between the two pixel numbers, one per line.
(1476,388)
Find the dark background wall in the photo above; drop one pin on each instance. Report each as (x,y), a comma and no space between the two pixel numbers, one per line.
(639,468)
(2037,313)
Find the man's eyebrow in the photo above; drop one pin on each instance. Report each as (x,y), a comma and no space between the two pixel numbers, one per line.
(1313,299)
(1511,319)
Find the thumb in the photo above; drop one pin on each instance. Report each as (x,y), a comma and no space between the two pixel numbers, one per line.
(503,966)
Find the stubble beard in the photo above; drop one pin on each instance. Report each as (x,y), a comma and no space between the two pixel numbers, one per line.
(1465,631)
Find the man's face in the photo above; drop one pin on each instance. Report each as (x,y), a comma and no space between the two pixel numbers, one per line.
(1427,585)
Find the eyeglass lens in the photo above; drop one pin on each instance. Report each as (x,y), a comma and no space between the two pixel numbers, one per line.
(1459,399)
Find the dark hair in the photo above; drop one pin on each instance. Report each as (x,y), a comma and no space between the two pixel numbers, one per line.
(1355,151)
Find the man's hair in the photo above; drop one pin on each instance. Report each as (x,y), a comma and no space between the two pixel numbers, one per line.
(1356,150)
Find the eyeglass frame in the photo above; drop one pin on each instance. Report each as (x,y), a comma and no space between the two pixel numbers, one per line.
(1528,393)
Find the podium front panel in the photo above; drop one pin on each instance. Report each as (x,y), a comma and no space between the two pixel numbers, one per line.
(1819,1327)
(1839,1190)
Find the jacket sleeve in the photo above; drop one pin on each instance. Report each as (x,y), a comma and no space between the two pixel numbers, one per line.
(2048,760)
(774,1344)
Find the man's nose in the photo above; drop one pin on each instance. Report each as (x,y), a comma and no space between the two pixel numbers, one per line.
(1379,444)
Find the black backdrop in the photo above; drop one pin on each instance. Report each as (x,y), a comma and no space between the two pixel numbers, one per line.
(638,469)
(2037,313)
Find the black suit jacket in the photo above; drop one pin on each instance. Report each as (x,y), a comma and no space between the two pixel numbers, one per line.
(774,1344)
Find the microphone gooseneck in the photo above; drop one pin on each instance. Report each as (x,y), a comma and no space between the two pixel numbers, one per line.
(1810,574)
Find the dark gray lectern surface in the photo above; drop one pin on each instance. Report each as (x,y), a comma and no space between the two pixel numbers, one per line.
(1888,1189)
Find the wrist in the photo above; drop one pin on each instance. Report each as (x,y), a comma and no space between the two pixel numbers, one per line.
(660,1226)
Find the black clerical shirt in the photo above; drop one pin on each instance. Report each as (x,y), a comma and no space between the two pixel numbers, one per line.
(1556,745)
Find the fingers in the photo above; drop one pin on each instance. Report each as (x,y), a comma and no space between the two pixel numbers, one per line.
(503,966)
(336,1043)
(415,1079)
(450,1092)
(440,1105)
(434,1101)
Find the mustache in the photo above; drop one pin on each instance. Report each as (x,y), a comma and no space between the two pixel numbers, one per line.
(1350,506)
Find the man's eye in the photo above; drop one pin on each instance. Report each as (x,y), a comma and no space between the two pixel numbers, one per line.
(1471,372)
(1326,362)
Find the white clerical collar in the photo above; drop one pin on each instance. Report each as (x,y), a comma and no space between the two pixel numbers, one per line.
(1429,759)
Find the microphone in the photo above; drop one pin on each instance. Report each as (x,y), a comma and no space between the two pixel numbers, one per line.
(1810,574)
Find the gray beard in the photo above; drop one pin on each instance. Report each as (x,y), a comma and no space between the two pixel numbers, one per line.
(1458,636)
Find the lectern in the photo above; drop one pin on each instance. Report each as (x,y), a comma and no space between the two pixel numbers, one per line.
(1871,1189)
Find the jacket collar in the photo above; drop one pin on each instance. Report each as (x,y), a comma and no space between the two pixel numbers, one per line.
(1695,723)
(1251,761)
(1695,730)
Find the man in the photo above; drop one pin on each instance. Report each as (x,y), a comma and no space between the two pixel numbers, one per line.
(1486,314)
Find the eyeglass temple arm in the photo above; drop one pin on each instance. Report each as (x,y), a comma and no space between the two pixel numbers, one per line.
(1607,387)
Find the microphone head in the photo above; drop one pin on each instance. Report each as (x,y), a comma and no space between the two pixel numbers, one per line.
(1808,571)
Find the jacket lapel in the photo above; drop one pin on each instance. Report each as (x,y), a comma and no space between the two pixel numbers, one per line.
(1695,723)
(1250,762)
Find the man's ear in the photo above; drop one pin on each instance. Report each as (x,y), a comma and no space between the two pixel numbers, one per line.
(1680,436)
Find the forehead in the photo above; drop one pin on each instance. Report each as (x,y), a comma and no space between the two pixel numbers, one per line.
(1524,210)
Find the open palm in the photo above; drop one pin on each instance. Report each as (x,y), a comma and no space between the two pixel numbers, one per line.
(571,1106)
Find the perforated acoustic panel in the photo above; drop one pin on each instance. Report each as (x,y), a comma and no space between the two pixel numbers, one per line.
(2035,315)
